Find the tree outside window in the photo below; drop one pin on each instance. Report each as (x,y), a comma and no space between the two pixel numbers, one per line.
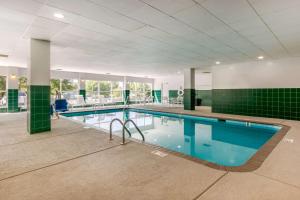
(2,90)
(23,84)
(105,89)
(91,88)
(117,91)
(55,86)
(139,91)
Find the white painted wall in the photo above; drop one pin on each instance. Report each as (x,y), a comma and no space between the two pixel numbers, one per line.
(203,81)
(283,73)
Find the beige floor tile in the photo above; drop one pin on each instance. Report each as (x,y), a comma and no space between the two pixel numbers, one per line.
(284,162)
(123,172)
(248,186)
(19,158)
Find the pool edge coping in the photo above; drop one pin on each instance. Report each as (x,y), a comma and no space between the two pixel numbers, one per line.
(252,164)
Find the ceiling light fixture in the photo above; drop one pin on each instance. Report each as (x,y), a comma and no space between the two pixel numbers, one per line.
(218,62)
(59,15)
(13,76)
(260,57)
(58,69)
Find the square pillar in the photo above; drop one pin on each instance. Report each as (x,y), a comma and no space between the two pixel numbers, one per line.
(38,113)
(13,90)
(189,89)
(82,90)
(126,92)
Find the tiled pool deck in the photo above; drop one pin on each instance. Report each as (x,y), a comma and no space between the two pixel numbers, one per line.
(73,162)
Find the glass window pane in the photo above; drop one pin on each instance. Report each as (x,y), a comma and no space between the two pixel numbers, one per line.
(91,88)
(105,89)
(69,85)
(23,84)
(3,91)
(55,86)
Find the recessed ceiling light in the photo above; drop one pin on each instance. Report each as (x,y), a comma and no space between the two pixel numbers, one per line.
(260,57)
(218,62)
(59,15)
(13,76)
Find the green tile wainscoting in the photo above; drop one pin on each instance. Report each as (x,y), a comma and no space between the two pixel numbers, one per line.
(189,99)
(205,96)
(173,94)
(38,109)
(283,103)
(83,93)
(12,103)
(3,110)
(157,96)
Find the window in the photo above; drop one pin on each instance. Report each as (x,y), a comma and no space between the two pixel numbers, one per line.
(139,91)
(55,86)
(23,84)
(3,98)
(69,88)
(22,91)
(117,91)
(105,89)
(91,88)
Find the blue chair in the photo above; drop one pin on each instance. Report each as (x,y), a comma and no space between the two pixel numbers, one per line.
(61,105)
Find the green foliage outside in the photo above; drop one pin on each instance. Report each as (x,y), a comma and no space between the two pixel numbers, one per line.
(2,86)
(23,84)
(54,85)
(69,85)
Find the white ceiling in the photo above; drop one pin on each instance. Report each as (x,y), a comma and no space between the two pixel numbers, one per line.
(149,37)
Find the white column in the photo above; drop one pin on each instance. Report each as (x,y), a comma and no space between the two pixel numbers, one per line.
(189,89)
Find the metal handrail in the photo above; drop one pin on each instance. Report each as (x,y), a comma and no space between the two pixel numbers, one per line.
(124,128)
(110,128)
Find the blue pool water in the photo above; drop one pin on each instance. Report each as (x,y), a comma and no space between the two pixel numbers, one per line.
(227,143)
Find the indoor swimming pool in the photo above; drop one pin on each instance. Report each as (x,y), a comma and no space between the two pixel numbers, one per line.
(222,142)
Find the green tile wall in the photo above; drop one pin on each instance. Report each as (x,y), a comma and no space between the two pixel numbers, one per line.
(157,96)
(189,99)
(281,103)
(3,110)
(12,104)
(38,109)
(206,96)
(83,93)
(173,94)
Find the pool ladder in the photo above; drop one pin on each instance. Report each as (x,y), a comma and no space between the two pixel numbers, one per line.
(124,128)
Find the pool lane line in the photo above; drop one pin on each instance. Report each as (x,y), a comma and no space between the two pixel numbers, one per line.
(210,186)
(58,163)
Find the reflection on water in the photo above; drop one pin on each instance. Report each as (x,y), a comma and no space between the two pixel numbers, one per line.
(229,144)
